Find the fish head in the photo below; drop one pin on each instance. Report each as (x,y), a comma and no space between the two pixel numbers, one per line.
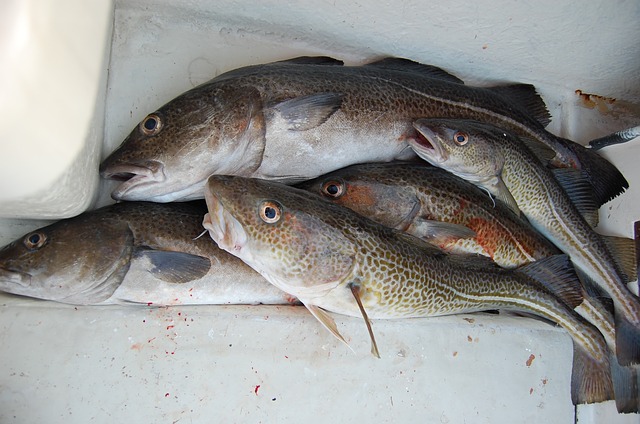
(288,235)
(213,128)
(463,147)
(378,191)
(74,261)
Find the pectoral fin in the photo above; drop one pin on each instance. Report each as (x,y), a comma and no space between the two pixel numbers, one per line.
(326,321)
(439,233)
(503,194)
(355,290)
(175,267)
(307,112)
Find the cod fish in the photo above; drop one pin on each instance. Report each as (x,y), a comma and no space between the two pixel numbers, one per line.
(297,119)
(131,252)
(333,259)
(500,163)
(445,210)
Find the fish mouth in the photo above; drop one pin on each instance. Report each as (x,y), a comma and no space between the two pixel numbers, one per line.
(135,179)
(11,279)
(426,144)
(223,228)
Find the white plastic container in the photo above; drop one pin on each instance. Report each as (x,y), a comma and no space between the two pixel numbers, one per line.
(76,77)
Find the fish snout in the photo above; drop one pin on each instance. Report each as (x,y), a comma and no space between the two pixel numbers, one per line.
(426,144)
(135,177)
(11,281)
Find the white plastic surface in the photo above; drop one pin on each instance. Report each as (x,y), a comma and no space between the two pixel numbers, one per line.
(268,364)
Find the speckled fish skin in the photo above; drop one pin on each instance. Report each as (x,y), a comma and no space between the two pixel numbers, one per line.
(489,154)
(400,195)
(131,252)
(295,120)
(314,250)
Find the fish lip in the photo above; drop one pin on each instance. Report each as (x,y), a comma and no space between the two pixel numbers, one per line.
(223,228)
(426,144)
(134,177)
(13,276)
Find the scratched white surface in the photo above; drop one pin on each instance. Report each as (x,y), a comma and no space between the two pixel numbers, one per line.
(267,364)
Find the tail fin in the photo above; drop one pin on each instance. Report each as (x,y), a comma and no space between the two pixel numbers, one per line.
(627,342)
(605,178)
(591,380)
(625,387)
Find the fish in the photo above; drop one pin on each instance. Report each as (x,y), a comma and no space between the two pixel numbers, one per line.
(335,260)
(556,204)
(450,212)
(131,252)
(294,120)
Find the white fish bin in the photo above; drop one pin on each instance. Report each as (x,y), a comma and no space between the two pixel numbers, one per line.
(76,77)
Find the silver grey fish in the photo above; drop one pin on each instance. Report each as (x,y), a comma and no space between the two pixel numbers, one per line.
(336,260)
(497,161)
(131,252)
(298,119)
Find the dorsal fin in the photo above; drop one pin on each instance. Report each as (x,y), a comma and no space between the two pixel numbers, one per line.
(406,65)
(313,60)
(558,275)
(525,96)
(579,191)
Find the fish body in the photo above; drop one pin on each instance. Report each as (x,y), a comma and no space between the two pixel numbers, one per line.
(416,198)
(495,160)
(321,252)
(423,200)
(131,252)
(295,120)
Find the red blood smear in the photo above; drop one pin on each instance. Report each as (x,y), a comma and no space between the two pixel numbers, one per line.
(256,389)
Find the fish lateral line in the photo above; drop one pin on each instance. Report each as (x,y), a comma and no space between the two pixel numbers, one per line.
(355,290)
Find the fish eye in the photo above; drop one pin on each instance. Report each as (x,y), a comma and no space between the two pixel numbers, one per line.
(333,188)
(461,138)
(35,240)
(270,212)
(151,125)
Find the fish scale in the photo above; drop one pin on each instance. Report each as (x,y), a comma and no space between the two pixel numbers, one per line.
(502,164)
(398,275)
(294,120)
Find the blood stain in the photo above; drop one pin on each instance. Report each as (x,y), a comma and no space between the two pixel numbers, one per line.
(530,360)
(255,390)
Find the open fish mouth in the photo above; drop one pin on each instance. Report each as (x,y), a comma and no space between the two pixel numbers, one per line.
(426,144)
(135,179)
(223,228)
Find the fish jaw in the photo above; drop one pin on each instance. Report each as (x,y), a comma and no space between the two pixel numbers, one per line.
(223,228)
(139,180)
(427,145)
(14,282)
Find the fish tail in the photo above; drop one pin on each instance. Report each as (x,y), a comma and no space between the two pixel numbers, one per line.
(627,341)
(591,380)
(625,386)
(607,181)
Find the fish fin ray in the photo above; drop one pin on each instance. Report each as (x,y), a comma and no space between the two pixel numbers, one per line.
(355,290)
(627,341)
(623,252)
(590,379)
(557,274)
(579,191)
(407,65)
(526,96)
(607,181)
(504,195)
(438,232)
(306,112)
(326,321)
(313,60)
(626,386)
(175,267)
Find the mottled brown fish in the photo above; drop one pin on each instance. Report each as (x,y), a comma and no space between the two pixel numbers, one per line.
(334,259)
(502,164)
(138,252)
(298,119)
(435,205)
